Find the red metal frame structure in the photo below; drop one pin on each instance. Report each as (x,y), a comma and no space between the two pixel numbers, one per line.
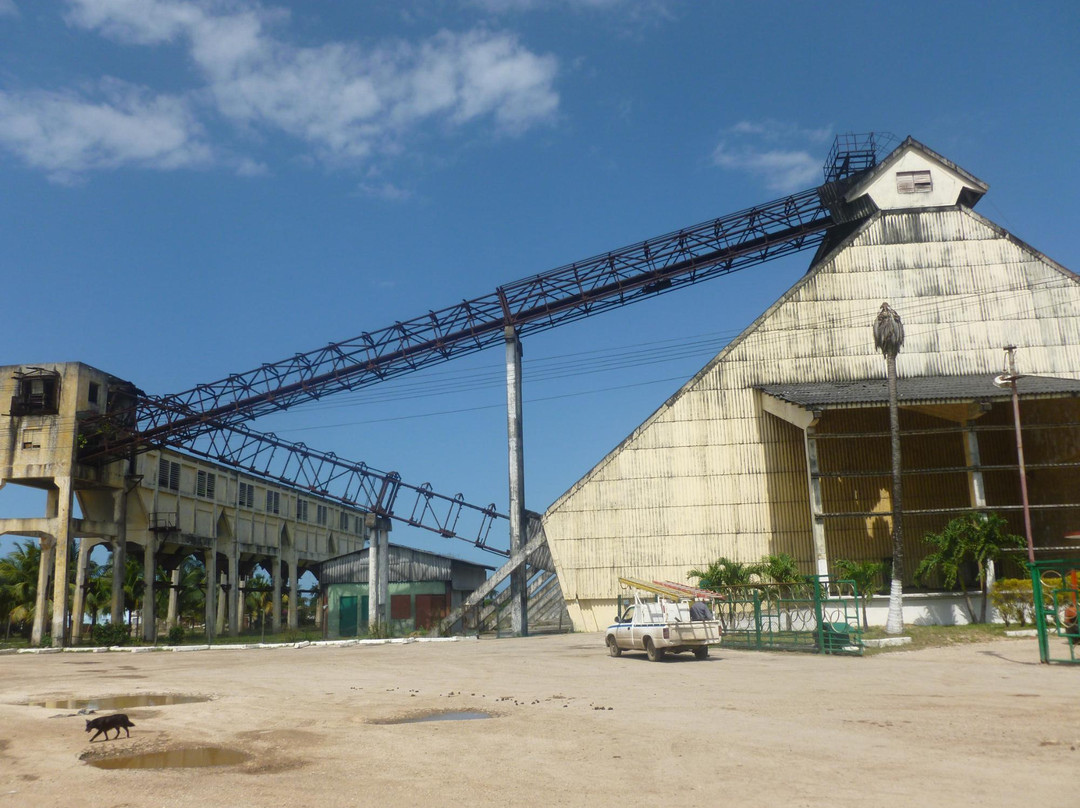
(211,413)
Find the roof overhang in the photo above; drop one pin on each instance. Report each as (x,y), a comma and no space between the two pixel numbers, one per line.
(956,398)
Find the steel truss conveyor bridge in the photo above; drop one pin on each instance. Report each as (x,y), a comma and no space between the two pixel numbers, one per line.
(209,420)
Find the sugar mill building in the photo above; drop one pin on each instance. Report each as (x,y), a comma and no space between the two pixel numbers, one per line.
(780,443)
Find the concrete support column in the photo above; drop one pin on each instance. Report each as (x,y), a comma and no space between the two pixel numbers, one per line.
(79,607)
(119,557)
(119,573)
(373,574)
(519,616)
(276,605)
(45,568)
(378,532)
(210,596)
(58,508)
(294,595)
(817,508)
(976,485)
(219,597)
(383,590)
(174,600)
(235,601)
(241,608)
(149,610)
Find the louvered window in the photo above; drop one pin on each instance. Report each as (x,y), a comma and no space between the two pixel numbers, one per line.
(343,521)
(206,484)
(246,495)
(322,514)
(273,502)
(168,474)
(914,182)
(301,510)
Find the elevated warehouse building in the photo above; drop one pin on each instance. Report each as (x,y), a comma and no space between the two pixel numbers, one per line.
(781,443)
(160,508)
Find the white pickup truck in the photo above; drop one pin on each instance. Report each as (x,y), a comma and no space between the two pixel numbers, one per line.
(660,625)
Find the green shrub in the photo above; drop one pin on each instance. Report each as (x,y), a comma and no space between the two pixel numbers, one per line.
(110,634)
(1013,598)
(176,635)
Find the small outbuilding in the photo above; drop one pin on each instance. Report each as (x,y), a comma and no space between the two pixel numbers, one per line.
(424,588)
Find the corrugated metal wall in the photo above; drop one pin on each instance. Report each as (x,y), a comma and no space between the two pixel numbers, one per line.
(710,474)
(406,564)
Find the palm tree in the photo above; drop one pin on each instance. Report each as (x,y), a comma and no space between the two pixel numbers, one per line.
(98,591)
(18,582)
(724,572)
(780,568)
(865,575)
(191,595)
(888,338)
(974,539)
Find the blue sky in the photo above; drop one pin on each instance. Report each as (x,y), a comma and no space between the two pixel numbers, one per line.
(195,187)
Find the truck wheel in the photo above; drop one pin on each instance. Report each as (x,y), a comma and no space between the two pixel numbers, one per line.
(702,652)
(655,654)
(613,647)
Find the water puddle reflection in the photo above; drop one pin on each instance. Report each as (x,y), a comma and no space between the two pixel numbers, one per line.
(449,716)
(117,702)
(199,757)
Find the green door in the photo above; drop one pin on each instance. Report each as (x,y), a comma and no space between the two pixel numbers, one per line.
(347,621)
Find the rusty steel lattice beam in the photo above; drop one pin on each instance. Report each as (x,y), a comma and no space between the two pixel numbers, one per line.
(206,419)
(617,278)
(327,476)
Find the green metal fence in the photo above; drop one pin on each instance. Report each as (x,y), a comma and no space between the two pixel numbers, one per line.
(818,616)
(1054,595)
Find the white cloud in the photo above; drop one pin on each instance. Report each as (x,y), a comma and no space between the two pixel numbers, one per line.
(386,191)
(775,151)
(508,6)
(246,167)
(773,130)
(346,102)
(65,134)
(8,8)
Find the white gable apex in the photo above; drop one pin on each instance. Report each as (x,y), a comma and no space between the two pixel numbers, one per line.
(915,177)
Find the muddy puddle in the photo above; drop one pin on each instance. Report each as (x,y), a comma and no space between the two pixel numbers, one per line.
(451,716)
(118,702)
(196,758)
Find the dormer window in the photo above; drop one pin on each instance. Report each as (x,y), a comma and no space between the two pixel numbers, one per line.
(914,182)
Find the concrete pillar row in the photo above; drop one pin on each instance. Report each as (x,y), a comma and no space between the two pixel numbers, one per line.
(119,557)
(149,625)
(174,599)
(37,632)
(235,601)
(219,623)
(78,609)
(276,606)
(58,509)
(241,609)
(294,594)
(210,593)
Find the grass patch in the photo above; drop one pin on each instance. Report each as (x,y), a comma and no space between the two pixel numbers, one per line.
(937,636)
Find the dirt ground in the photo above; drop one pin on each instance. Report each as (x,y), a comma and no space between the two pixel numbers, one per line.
(977,724)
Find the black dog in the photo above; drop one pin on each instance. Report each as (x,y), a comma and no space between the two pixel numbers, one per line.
(103,724)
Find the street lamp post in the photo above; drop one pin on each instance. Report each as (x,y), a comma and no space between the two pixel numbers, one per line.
(1008,379)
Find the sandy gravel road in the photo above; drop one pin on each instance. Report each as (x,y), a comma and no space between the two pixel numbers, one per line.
(978,725)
